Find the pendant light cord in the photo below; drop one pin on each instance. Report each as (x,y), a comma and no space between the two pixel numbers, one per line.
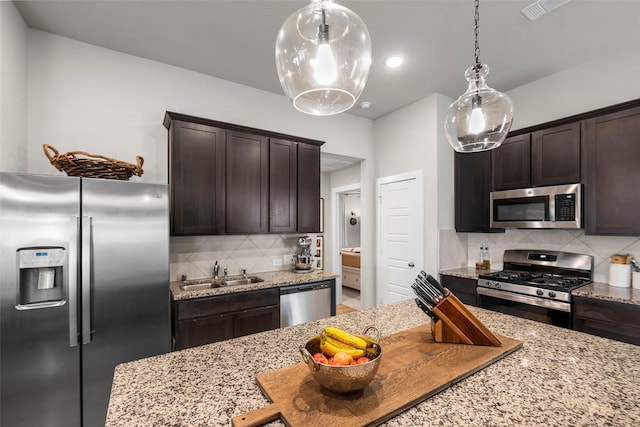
(323,28)
(476,18)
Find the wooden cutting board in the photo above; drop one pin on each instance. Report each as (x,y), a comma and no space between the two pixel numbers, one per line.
(413,368)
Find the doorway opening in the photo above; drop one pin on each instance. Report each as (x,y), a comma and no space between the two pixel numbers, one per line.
(347,217)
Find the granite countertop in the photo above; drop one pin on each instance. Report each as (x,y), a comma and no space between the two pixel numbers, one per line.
(559,377)
(271,279)
(607,292)
(466,272)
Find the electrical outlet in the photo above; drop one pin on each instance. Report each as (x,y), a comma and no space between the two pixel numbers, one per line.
(277,262)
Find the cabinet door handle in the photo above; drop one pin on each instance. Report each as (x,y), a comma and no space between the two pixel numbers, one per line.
(411,264)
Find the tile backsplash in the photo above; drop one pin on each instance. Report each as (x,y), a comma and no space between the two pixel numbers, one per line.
(462,249)
(194,256)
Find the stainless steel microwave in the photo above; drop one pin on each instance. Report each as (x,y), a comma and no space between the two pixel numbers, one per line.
(558,206)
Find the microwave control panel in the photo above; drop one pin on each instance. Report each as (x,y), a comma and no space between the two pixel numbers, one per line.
(565,207)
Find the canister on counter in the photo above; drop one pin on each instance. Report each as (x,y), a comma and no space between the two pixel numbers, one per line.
(620,270)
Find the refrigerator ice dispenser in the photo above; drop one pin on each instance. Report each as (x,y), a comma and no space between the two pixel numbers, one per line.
(40,277)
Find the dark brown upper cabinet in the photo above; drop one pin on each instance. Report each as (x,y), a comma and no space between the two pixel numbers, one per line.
(197,176)
(555,155)
(247,183)
(612,173)
(308,188)
(599,148)
(283,186)
(548,156)
(230,179)
(511,163)
(472,181)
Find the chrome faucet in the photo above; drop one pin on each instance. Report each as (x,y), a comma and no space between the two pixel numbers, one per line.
(216,271)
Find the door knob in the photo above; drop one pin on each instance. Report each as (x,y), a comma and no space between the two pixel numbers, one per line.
(411,264)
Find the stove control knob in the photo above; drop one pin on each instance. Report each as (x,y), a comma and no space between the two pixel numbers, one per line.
(496,285)
(539,292)
(552,294)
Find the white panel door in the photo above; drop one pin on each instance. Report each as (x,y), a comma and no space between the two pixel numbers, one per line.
(400,239)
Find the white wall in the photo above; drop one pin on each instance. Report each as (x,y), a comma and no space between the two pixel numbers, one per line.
(412,138)
(608,80)
(13,90)
(83,97)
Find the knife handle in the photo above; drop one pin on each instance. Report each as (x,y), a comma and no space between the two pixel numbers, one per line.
(437,285)
(427,310)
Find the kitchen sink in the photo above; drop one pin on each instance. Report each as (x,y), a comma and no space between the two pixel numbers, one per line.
(220,283)
(200,286)
(242,281)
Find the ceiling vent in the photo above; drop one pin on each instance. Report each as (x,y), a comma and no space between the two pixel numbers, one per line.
(542,7)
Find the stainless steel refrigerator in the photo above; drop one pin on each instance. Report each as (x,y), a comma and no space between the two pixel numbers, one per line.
(84,287)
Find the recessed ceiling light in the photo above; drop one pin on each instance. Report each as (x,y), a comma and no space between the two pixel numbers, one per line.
(393,61)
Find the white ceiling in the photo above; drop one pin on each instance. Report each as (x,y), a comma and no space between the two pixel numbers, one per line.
(234,40)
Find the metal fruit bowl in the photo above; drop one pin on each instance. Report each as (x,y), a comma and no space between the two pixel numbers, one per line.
(341,379)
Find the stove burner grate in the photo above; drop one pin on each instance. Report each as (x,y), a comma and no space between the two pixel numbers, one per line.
(536,278)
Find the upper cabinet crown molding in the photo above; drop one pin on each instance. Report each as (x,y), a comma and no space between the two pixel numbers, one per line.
(170,116)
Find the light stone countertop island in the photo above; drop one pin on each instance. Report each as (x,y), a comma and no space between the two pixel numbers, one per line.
(558,378)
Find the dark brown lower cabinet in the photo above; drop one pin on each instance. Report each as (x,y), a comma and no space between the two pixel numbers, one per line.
(206,320)
(256,320)
(464,289)
(609,319)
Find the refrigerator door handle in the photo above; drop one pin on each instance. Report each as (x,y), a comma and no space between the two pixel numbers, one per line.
(72,280)
(86,279)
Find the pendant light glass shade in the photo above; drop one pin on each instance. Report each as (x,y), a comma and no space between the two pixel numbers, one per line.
(481,117)
(323,56)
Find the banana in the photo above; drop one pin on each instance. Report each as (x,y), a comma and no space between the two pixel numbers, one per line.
(345,337)
(330,347)
(339,344)
(370,341)
(373,348)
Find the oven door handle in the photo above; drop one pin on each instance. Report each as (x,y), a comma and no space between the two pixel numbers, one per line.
(525,299)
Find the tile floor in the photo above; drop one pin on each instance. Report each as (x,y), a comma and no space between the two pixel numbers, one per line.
(351,298)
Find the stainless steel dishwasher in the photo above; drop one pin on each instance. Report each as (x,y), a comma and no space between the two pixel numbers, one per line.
(305,302)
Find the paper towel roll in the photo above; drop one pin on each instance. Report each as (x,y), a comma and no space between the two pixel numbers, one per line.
(620,275)
(635,279)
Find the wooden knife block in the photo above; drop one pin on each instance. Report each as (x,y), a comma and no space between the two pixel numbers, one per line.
(456,324)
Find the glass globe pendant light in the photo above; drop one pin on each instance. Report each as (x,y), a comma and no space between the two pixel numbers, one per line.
(480,118)
(323,56)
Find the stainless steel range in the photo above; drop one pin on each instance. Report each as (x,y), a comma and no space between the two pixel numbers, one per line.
(536,284)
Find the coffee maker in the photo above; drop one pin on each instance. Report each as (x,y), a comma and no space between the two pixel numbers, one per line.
(303,260)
